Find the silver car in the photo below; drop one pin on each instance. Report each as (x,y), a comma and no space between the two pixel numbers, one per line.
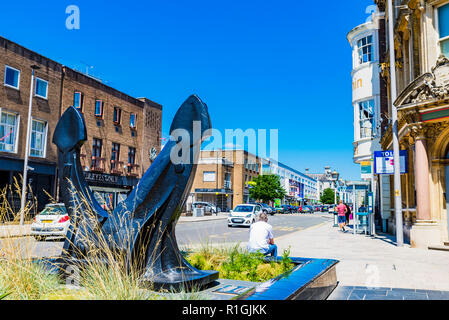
(208,207)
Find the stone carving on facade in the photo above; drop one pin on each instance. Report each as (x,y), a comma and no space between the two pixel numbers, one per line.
(429,86)
(428,131)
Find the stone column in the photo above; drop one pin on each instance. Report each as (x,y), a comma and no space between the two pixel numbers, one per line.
(425,232)
(422,179)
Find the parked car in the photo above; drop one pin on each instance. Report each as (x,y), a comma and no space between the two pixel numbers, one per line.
(324,208)
(279,209)
(209,208)
(287,208)
(307,209)
(53,221)
(244,215)
(267,209)
(331,209)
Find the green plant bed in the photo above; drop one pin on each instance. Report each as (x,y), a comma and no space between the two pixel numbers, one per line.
(237,264)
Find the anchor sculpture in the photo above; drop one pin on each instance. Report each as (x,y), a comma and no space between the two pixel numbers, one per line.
(143,225)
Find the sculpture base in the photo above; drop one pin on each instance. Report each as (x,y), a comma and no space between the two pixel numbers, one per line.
(176,281)
(66,268)
(310,279)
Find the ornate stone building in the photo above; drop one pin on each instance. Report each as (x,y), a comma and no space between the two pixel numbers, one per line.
(422,67)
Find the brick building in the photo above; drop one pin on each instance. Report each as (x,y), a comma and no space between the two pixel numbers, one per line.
(222,176)
(123,132)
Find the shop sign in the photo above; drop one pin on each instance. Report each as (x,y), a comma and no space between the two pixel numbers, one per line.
(101,178)
(384,162)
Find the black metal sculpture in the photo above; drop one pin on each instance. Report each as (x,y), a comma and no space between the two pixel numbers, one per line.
(143,225)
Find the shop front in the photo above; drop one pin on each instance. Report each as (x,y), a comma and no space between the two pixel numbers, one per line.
(40,180)
(110,190)
(222,198)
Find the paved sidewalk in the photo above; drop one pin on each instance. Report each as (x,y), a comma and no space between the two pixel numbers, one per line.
(7,231)
(372,262)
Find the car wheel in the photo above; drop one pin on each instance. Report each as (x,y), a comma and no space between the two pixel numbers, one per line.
(229,226)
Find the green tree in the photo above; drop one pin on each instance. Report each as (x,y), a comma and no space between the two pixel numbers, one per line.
(267,188)
(328,196)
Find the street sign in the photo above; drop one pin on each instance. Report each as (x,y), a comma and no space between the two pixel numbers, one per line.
(384,162)
(366,171)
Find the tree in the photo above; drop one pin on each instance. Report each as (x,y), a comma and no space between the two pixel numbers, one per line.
(267,188)
(328,196)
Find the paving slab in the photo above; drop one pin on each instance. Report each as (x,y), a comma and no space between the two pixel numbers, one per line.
(372,261)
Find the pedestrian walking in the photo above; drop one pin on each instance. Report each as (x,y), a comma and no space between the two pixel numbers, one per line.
(347,214)
(341,211)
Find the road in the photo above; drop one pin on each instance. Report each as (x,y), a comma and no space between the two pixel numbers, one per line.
(189,234)
(212,232)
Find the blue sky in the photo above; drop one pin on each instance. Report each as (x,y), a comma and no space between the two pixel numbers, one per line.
(282,64)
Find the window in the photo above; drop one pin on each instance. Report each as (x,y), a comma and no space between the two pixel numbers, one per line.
(117,115)
(366,118)
(12,77)
(365,47)
(38,138)
(131,158)
(41,89)
(209,176)
(8,131)
(96,152)
(78,99)
(443,28)
(115,155)
(132,121)
(98,108)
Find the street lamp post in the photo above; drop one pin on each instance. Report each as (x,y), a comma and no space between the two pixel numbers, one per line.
(27,147)
(394,119)
(334,178)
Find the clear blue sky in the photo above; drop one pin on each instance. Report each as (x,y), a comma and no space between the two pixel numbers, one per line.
(282,64)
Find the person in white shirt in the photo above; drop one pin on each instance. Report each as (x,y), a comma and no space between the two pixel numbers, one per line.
(261,237)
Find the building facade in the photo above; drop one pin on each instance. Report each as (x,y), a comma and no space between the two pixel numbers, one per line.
(300,188)
(421,50)
(222,178)
(367,87)
(122,131)
(331,180)
(369,92)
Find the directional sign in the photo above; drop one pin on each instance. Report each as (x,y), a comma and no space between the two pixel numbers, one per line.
(384,162)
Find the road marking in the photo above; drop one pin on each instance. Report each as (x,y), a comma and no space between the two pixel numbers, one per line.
(300,230)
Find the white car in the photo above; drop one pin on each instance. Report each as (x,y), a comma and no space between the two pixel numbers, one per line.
(244,215)
(53,221)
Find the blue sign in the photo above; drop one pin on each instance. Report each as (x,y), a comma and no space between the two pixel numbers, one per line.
(384,162)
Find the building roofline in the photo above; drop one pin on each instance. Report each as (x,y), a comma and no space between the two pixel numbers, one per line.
(40,59)
(7,44)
